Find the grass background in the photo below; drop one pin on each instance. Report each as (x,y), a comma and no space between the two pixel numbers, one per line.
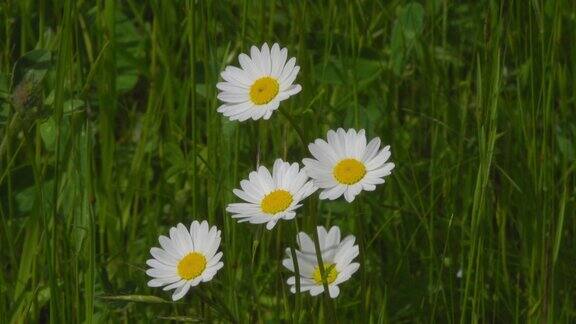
(109,135)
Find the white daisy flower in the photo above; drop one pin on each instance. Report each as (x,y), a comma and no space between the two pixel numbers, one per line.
(345,165)
(186,258)
(271,197)
(256,90)
(337,257)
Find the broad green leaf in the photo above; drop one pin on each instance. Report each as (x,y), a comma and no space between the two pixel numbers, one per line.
(332,73)
(32,66)
(407,29)
(48,133)
(129,53)
(565,142)
(26,198)
(73,105)
(28,74)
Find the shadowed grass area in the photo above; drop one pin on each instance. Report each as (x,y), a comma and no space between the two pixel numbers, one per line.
(109,136)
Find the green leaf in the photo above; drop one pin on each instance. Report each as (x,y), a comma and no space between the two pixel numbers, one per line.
(174,154)
(32,66)
(332,73)
(26,198)
(366,68)
(73,105)
(48,133)
(182,319)
(228,128)
(407,29)
(4,86)
(129,53)
(136,299)
(201,90)
(565,144)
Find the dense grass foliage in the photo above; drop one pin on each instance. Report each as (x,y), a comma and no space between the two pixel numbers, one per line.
(109,136)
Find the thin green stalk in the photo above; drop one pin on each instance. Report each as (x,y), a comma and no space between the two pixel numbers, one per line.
(191,26)
(329,311)
(359,220)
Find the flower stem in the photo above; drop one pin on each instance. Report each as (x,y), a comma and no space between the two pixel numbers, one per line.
(329,312)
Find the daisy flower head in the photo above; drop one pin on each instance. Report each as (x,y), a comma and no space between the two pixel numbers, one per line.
(271,197)
(346,165)
(337,257)
(256,89)
(186,258)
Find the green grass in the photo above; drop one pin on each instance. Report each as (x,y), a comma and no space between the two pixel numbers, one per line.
(109,136)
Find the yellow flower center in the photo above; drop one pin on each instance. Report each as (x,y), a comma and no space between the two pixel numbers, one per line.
(276,201)
(264,90)
(330,272)
(349,171)
(191,266)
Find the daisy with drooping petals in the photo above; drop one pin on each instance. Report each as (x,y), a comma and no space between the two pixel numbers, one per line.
(272,197)
(186,258)
(345,165)
(337,257)
(256,90)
